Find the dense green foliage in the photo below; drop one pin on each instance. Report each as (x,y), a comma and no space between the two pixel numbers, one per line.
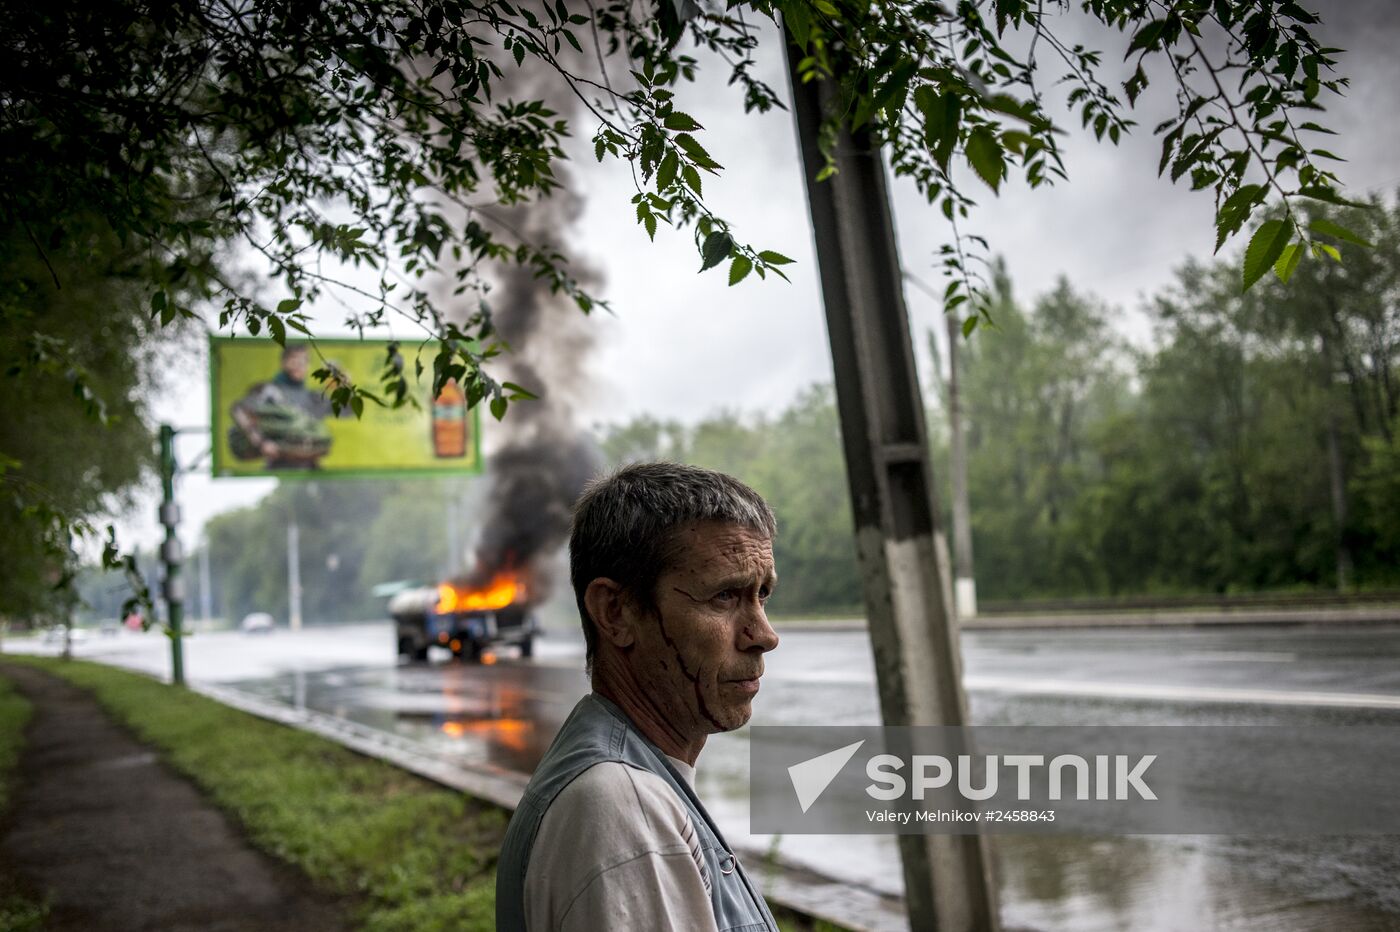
(384,134)
(71,359)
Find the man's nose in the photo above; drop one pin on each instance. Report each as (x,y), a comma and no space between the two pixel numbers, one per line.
(757,632)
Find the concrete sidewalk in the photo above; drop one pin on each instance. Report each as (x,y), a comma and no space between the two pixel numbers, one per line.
(117,841)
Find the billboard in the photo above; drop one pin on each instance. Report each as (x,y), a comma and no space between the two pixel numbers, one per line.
(271,417)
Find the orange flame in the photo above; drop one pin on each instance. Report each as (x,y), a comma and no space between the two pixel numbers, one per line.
(500,592)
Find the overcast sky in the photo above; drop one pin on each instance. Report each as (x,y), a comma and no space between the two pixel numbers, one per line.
(684,345)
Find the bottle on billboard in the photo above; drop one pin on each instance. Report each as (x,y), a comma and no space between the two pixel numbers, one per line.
(450,422)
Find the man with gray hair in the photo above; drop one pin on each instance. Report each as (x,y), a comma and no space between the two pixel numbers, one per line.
(671,566)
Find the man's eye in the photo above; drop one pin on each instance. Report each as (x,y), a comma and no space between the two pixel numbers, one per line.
(763,593)
(726,596)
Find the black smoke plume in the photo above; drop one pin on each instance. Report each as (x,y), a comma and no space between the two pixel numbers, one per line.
(538,472)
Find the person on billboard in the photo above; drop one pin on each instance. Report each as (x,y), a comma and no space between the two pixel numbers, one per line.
(282,420)
(671,566)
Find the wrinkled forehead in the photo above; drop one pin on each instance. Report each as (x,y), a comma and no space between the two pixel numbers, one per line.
(715,548)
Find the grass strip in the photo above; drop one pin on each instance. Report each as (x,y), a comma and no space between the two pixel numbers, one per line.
(19,912)
(415,856)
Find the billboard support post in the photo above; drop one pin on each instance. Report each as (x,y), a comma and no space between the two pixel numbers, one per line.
(173,585)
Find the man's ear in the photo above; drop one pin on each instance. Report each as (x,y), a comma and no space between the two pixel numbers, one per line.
(605,601)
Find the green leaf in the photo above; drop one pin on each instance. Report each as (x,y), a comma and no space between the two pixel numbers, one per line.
(498,407)
(682,122)
(1327,194)
(1287,263)
(1235,211)
(968,326)
(985,155)
(1264,249)
(1328,250)
(697,152)
(739,269)
(278,331)
(287,305)
(518,392)
(667,172)
(1005,8)
(941,115)
(1337,231)
(716,249)
(1145,37)
(692,178)
(774,258)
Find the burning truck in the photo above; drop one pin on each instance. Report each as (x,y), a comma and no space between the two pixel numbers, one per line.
(465,619)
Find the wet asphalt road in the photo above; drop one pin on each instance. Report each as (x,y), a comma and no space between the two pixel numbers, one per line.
(506,713)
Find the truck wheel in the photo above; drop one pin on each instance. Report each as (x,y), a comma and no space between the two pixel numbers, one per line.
(527,646)
(409,652)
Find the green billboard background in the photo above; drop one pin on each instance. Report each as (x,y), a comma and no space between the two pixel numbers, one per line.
(311,442)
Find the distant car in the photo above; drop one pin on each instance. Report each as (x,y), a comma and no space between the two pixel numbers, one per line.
(257,623)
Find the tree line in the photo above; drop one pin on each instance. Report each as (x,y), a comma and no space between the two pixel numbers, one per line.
(1251,446)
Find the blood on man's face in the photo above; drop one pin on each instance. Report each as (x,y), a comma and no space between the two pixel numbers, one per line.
(700,656)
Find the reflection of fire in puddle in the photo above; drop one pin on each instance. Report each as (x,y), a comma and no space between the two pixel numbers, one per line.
(471,715)
(512,733)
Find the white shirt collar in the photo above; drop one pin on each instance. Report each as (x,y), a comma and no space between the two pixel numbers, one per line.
(684,769)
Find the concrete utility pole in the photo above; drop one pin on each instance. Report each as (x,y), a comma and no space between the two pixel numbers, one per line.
(173,587)
(964,583)
(903,556)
